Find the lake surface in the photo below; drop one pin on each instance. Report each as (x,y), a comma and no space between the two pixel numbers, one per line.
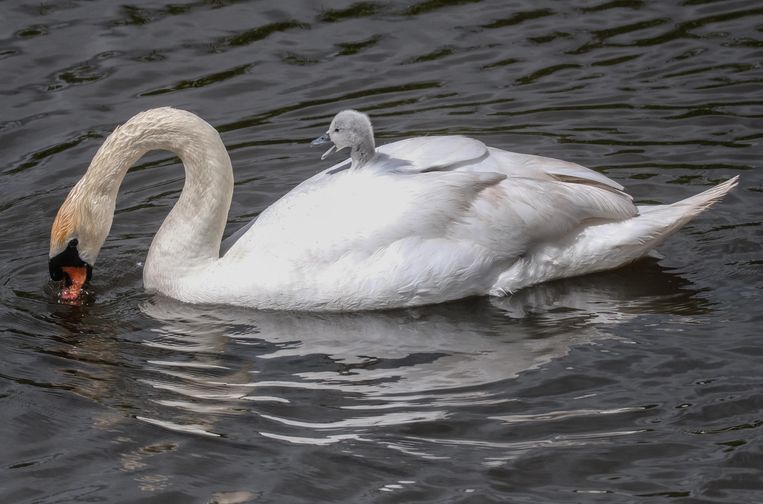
(639,385)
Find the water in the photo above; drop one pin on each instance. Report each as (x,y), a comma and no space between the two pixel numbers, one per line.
(639,385)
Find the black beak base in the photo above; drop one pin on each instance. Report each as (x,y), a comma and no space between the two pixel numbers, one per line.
(69,257)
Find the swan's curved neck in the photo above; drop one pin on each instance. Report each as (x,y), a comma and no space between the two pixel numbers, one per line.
(191,234)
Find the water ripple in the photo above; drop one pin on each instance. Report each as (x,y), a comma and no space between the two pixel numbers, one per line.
(639,383)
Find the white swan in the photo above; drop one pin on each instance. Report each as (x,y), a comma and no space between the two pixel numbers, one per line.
(423,220)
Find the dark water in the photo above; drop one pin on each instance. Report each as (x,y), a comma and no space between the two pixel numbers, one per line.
(639,385)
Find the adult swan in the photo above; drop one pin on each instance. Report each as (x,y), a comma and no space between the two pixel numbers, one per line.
(419,221)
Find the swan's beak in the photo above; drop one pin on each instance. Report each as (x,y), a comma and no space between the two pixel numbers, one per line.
(76,276)
(322,140)
(68,267)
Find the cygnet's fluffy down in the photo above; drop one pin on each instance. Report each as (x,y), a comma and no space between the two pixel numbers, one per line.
(352,129)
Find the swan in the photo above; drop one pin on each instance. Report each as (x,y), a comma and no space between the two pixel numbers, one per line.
(418,221)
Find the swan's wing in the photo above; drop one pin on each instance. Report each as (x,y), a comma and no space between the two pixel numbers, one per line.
(435,153)
(361,211)
(372,238)
(512,217)
(527,165)
(420,154)
(455,152)
(361,238)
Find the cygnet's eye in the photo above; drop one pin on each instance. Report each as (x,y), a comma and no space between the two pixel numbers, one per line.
(336,130)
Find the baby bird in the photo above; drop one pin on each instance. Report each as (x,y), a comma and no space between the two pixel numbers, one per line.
(352,129)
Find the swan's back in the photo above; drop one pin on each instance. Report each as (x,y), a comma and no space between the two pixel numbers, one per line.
(414,226)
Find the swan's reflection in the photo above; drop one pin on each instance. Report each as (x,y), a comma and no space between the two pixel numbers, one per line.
(385,368)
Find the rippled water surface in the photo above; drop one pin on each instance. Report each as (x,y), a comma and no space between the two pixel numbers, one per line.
(639,385)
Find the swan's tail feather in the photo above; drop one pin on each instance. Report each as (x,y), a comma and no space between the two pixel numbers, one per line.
(667,219)
(702,201)
(610,245)
(622,242)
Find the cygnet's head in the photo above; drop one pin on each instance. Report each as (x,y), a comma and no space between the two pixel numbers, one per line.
(349,128)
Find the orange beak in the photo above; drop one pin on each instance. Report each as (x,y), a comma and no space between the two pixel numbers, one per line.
(76,276)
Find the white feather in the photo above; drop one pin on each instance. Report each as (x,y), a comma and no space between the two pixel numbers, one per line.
(423,220)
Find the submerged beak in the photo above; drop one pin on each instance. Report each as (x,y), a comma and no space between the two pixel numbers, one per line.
(69,268)
(322,140)
(74,279)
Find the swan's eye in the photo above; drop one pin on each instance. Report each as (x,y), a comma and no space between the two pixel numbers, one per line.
(73,243)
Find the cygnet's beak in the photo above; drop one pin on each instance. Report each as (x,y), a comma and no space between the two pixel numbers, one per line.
(322,140)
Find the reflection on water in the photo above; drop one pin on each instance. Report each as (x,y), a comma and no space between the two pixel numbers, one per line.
(323,378)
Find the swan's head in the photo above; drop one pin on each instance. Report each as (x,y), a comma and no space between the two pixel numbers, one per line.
(76,238)
(349,128)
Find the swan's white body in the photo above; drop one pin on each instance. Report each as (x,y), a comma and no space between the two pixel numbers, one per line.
(426,220)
